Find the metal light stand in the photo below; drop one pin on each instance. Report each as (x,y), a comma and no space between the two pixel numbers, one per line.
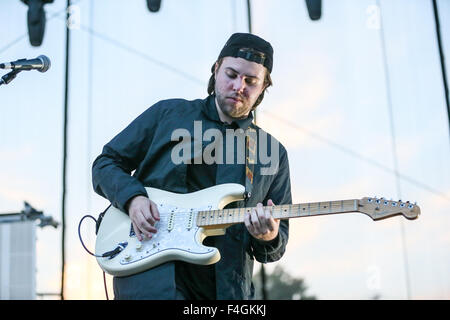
(28,214)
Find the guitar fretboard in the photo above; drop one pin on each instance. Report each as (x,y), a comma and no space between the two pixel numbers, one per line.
(287,211)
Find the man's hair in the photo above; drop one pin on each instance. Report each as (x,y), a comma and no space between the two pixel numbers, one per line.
(212,82)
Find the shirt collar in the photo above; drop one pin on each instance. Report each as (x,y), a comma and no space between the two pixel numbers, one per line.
(210,110)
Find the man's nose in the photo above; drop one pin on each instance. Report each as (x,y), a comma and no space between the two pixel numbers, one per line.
(239,84)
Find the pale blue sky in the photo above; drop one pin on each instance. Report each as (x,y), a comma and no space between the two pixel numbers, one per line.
(329,106)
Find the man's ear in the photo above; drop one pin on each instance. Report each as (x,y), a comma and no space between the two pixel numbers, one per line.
(265,86)
(216,67)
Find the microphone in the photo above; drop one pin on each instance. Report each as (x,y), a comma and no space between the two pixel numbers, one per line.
(41,64)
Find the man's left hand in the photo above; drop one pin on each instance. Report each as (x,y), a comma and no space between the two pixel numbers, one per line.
(261,224)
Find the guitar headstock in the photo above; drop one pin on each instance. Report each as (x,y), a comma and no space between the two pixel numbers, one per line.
(381,208)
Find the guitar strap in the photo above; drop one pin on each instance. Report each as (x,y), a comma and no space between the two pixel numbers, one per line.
(100,218)
(250,160)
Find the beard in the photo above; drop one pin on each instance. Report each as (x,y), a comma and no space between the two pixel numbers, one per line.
(234,109)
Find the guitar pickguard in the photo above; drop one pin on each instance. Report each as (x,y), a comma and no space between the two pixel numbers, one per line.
(176,231)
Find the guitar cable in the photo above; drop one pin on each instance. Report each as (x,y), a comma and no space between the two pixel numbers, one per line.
(111,254)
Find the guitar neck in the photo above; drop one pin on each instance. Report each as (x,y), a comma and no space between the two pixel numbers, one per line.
(287,211)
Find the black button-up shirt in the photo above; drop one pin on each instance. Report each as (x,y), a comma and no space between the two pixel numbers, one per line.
(146,146)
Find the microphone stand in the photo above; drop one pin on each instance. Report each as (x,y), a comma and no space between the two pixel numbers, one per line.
(7,78)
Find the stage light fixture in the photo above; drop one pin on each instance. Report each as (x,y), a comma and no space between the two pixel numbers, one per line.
(36,20)
(153,5)
(314,9)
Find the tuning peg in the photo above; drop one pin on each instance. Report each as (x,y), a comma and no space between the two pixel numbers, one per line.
(410,206)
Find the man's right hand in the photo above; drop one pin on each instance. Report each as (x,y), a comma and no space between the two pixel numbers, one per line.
(143,214)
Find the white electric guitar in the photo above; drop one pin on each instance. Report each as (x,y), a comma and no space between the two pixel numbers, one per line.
(186,219)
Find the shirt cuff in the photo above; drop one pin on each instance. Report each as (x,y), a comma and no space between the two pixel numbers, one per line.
(125,197)
(267,246)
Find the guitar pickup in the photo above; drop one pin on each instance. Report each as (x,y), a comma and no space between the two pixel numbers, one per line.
(171,221)
(191,219)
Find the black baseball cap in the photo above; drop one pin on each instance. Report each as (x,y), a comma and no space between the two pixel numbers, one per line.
(250,47)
